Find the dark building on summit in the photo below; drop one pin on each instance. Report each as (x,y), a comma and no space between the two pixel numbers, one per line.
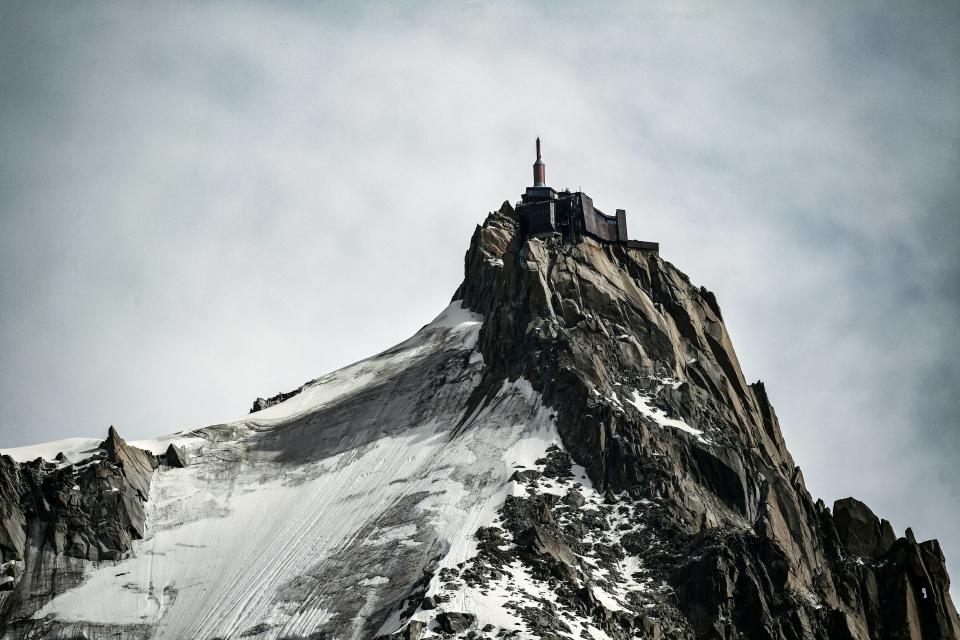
(544,211)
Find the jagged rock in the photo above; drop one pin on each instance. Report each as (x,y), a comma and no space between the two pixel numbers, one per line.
(859,530)
(545,623)
(651,628)
(525,475)
(544,514)
(574,499)
(13,535)
(175,456)
(541,542)
(412,631)
(452,622)
(92,510)
(907,594)
(262,403)
(137,464)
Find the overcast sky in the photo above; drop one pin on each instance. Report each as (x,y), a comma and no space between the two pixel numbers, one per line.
(201,203)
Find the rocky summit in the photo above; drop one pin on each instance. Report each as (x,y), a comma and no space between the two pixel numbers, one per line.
(569,450)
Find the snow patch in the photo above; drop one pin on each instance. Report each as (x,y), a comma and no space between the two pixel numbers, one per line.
(660,417)
(74,448)
(244,538)
(454,328)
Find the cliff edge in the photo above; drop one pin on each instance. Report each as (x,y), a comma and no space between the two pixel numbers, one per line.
(651,400)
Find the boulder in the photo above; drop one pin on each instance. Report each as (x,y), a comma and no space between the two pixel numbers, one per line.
(454,622)
(542,542)
(412,631)
(525,475)
(574,499)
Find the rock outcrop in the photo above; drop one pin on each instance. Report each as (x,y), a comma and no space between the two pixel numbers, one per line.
(89,510)
(175,457)
(651,401)
(262,403)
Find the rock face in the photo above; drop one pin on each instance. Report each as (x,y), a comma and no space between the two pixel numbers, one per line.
(570,450)
(651,401)
(91,510)
(452,622)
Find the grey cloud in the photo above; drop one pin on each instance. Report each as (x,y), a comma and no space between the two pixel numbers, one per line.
(202,203)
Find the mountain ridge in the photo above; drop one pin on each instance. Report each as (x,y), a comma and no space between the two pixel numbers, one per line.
(569,450)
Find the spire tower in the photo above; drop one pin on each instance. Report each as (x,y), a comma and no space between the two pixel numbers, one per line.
(539,170)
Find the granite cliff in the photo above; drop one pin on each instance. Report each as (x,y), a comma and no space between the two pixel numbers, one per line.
(616,340)
(570,450)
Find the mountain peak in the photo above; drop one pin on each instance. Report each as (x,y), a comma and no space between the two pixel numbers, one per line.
(651,400)
(569,450)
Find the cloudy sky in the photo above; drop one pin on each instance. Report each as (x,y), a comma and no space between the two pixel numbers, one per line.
(201,203)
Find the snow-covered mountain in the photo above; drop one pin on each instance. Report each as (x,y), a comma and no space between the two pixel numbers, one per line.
(569,450)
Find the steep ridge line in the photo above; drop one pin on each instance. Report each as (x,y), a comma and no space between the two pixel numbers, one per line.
(569,450)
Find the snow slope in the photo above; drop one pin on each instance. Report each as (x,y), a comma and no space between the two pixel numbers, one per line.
(320,513)
(73,448)
(78,448)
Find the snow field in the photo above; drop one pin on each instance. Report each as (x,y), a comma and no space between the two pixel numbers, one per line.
(241,542)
